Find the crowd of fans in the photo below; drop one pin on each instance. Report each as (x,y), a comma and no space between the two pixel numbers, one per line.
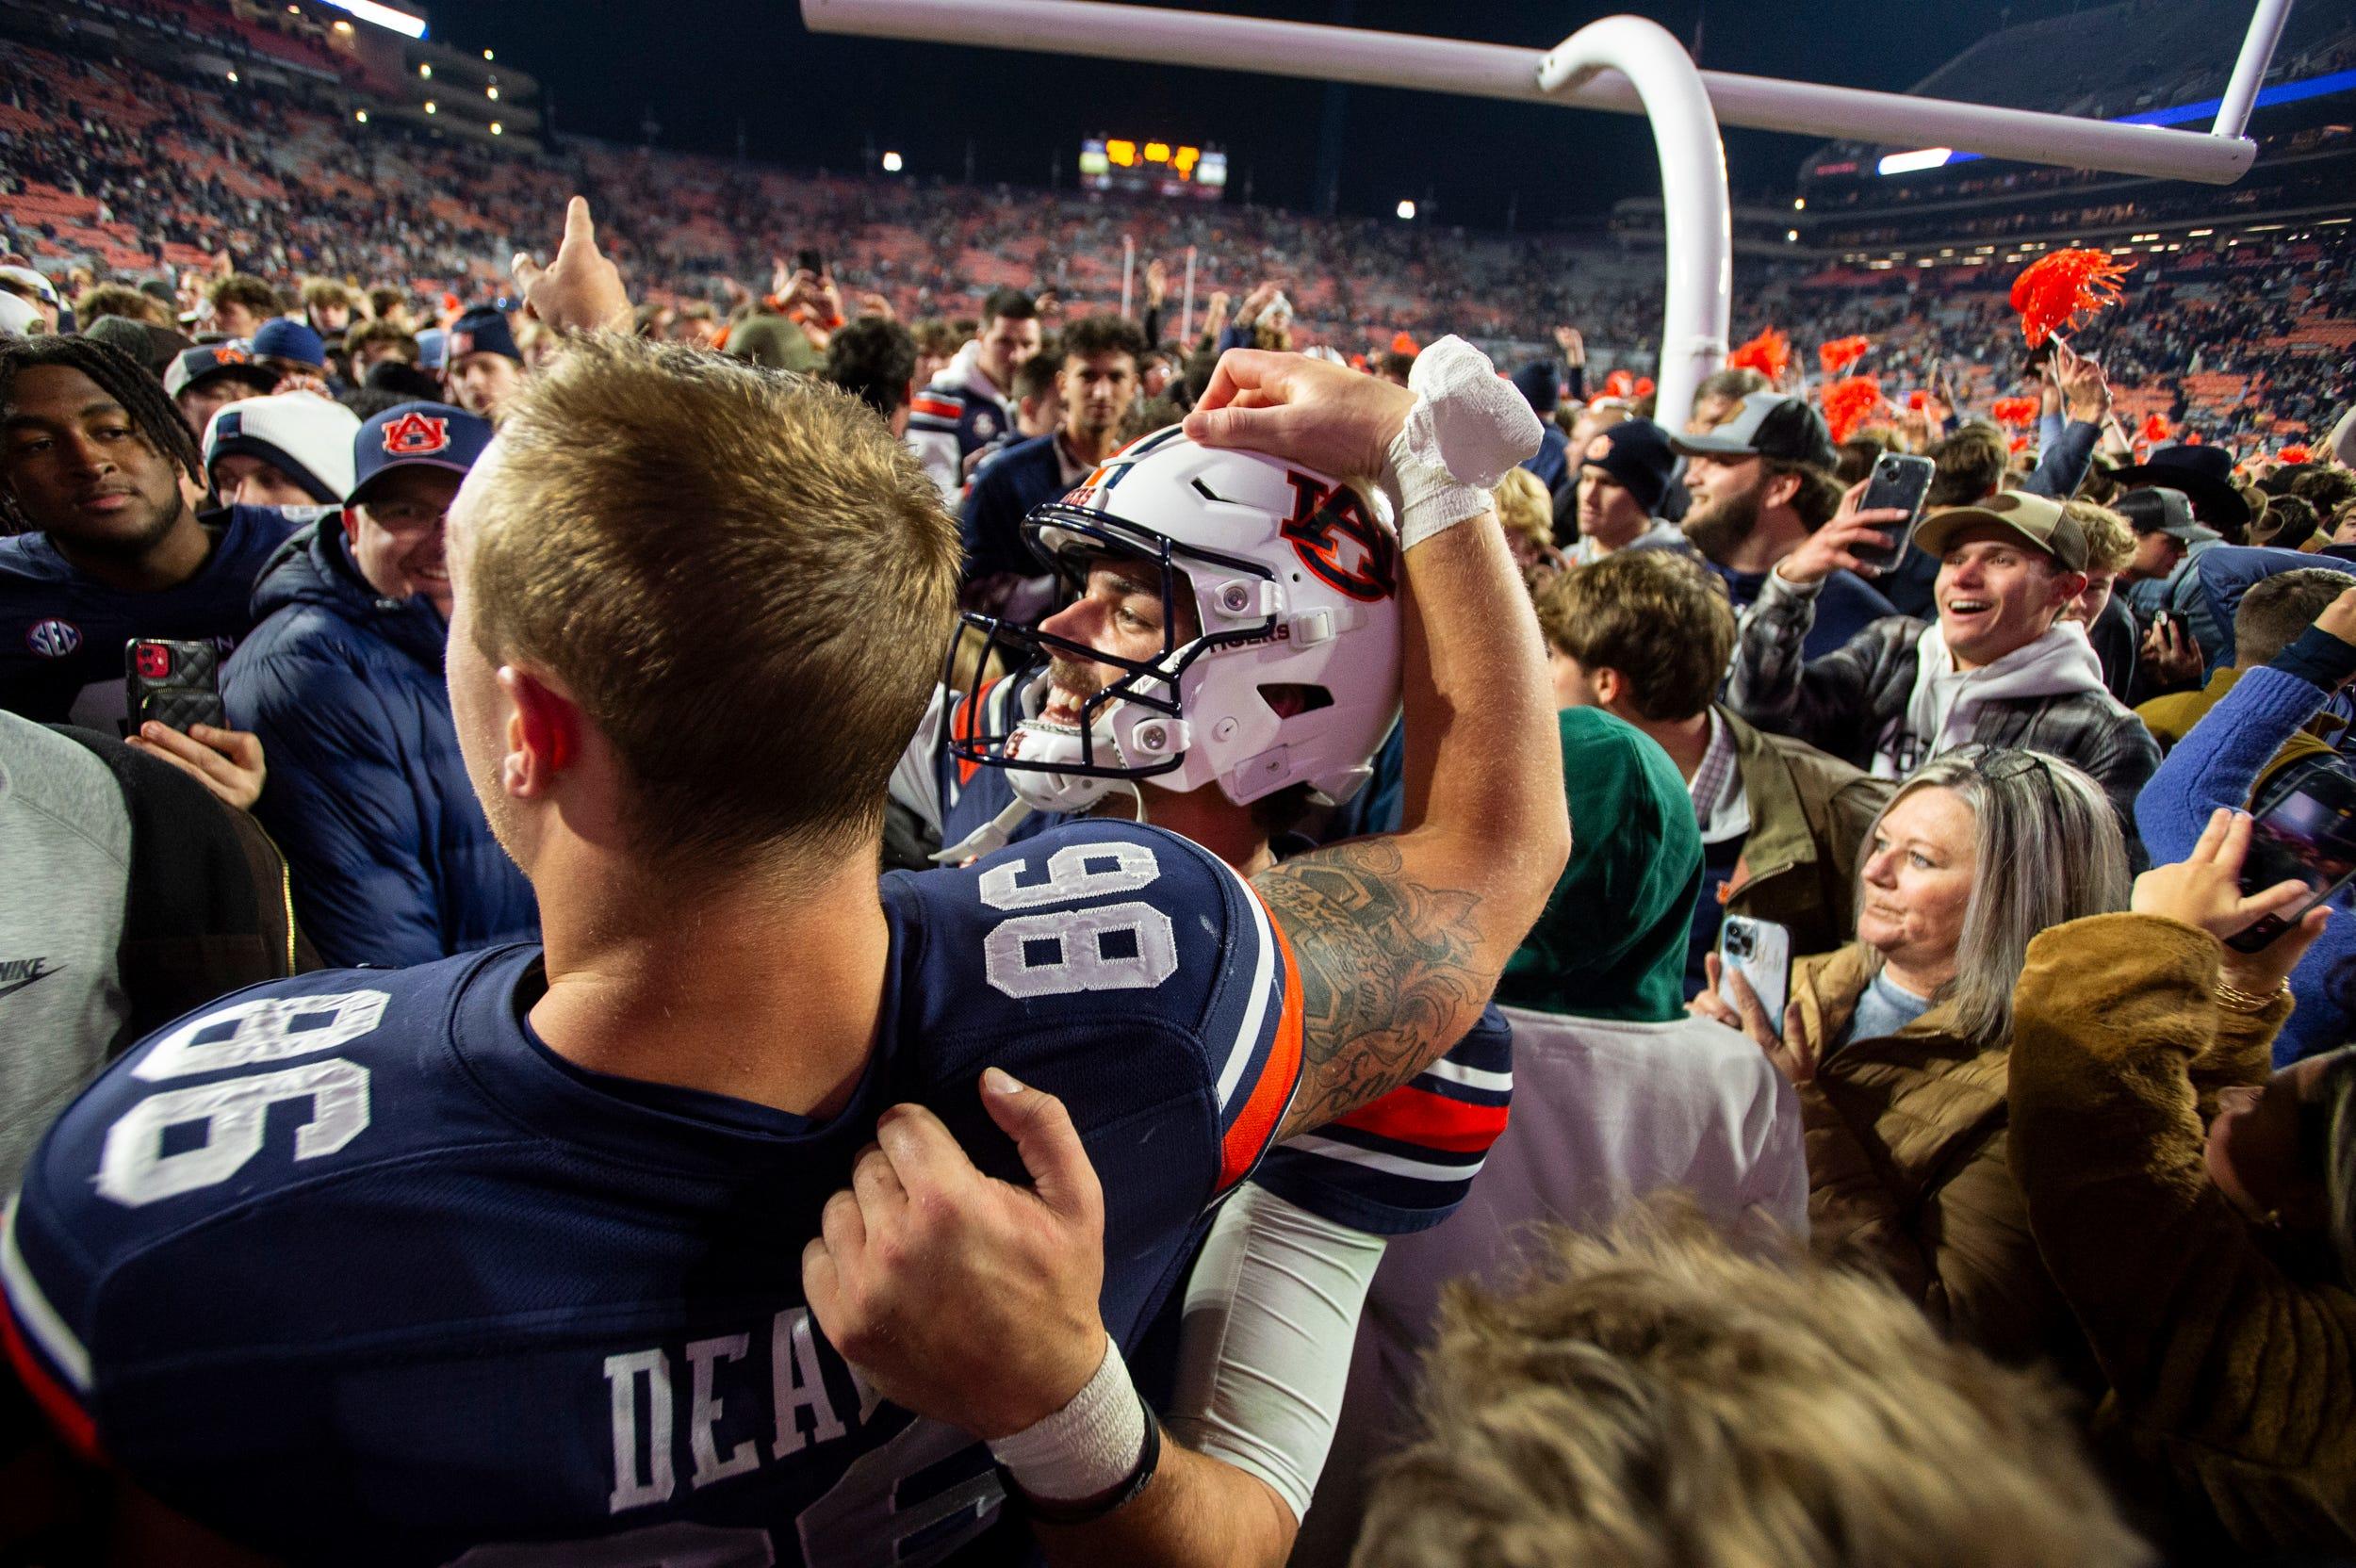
(255,180)
(678,904)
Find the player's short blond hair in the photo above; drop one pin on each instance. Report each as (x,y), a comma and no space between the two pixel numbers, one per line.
(1653,1400)
(743,578)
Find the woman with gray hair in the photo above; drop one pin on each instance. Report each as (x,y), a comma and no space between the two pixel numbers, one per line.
(1898,1043)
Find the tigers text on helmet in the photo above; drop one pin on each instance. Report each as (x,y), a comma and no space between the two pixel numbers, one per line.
(1293,676)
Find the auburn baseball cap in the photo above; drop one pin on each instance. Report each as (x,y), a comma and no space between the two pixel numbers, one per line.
(432,343)
(305,436)
(210,361)
(291,340)
(2157,509)
(1635,453)
(415,436)
(2041,522)
(1767,424)
(481,330)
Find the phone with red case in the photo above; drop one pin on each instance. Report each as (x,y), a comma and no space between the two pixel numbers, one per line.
(174,683)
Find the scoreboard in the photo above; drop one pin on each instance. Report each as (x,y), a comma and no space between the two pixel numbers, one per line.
(1152,168)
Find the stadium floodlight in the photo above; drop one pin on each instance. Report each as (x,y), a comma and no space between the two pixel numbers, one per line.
(1622,63)
(1914,162)
(1407,211)
(383,16)
(892,163)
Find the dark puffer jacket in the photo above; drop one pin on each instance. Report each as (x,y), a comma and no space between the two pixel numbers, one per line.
(392,859)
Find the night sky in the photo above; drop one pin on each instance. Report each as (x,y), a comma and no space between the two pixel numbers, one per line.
(807,102)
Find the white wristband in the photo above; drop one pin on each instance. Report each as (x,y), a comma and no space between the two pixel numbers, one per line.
(1465,431)
(1086,1448)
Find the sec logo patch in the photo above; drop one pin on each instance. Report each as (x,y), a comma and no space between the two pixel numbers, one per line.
(52,639)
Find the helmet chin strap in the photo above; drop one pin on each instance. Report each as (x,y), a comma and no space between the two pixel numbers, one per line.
(1037,790)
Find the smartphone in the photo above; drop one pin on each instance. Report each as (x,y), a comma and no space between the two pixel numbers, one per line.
(1900,480)
(2308,836)
(1762,950)
(812,262)
(172,684)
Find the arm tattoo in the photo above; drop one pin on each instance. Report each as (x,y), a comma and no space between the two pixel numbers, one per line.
(1390,975)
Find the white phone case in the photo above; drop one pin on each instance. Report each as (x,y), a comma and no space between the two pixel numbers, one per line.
(1762,950)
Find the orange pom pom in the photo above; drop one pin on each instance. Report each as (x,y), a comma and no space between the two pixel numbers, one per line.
(1841,353)
(1619,383)
(1403,344)
(1918,400)
(2064,288)
(2014,410)
(1849,404)
(2292,454)
(2018,444)
(2154,430)
(1769,353)
(1644,386)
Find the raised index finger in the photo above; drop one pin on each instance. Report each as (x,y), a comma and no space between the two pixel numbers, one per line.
(579,230)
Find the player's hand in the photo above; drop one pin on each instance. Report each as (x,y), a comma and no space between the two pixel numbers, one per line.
(1306,410)
(1730,999)
(1834,546)
(226,762)
(958,1296)
(1573,345)
(581,289)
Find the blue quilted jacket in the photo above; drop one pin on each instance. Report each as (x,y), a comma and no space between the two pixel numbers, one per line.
(393,862)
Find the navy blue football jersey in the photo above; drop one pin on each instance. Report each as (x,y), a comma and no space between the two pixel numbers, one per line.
(353,1269)
(1393,1167)
(62,633)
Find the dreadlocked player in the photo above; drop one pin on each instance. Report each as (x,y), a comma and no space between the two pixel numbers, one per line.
(99,478)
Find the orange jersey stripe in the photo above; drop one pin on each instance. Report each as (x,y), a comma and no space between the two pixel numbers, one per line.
(1416,1115)
(936,407)
(1249,1136)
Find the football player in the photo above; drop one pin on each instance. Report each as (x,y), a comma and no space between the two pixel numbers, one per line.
(502,1259)
(1229,656)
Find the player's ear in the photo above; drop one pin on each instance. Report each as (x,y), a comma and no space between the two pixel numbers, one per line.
(544,728)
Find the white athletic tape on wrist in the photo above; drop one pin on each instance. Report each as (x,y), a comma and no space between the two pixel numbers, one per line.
(1465,432)
(1086,1448)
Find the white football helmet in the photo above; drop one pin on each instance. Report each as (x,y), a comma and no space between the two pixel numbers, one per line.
(1293,676)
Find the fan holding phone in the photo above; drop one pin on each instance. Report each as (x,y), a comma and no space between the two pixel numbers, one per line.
(1897,1043)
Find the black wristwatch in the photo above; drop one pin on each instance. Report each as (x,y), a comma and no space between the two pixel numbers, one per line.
(1045,1512)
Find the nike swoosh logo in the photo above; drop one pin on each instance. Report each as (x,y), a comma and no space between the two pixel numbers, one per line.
(16,986)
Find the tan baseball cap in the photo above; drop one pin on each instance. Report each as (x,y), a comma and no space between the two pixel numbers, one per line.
(2041,522)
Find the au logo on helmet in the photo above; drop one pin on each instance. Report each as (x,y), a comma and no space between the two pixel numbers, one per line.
(416,434)
(1335,539)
